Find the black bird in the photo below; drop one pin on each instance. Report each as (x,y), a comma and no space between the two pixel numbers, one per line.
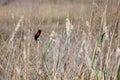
(37,34)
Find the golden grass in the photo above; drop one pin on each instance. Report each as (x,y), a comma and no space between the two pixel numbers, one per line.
(90,53)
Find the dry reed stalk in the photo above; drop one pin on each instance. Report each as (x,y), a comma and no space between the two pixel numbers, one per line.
(69,27)
(16,29)
(80,71)
(111,41)
(103,25)
(92,15)
(1,72)
(24,59)
(11,43)
(82,46)
(56,58)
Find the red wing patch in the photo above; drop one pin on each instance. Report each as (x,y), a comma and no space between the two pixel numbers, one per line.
(37,34)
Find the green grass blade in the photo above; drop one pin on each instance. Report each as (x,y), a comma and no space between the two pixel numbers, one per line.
(34,75)
(101,40)
(44,58)
(118,73)
(22,77)
(96,73)
(89,76)
(46,50)
(93,59)
(102,74)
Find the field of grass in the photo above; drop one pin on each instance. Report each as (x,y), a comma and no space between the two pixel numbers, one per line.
(91,50)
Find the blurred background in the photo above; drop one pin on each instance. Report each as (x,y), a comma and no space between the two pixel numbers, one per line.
(91,52)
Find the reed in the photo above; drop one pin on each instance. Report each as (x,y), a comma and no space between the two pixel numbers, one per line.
(84,46)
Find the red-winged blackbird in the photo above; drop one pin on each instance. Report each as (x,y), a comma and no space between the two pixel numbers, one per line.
(37,34)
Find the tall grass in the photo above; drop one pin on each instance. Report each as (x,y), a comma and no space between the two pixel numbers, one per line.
(89,51)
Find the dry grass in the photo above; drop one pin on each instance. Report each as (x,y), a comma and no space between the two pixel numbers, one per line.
(91,52)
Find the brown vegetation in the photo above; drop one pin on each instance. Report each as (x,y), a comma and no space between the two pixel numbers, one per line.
(91,52)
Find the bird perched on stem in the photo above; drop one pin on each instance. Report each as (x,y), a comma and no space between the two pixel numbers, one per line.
(37,34)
